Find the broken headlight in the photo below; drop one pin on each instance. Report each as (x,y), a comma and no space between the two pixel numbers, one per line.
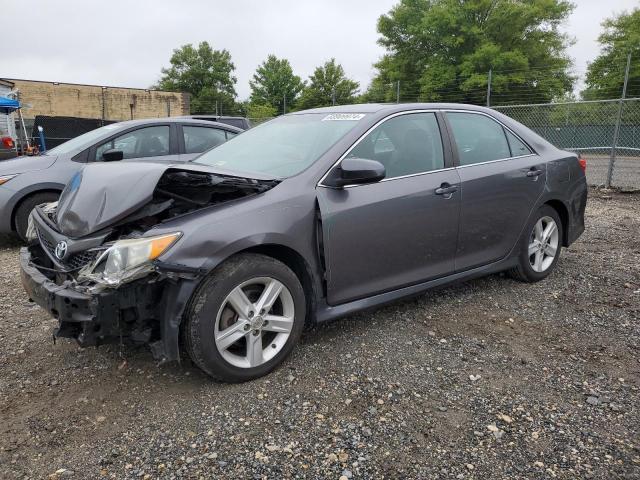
(129,259)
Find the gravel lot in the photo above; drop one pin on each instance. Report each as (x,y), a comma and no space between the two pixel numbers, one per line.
(488,379)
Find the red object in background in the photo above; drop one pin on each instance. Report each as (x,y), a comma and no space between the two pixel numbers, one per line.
(583,163)
(7,142)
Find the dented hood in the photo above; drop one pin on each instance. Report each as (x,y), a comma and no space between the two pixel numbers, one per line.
(101,194)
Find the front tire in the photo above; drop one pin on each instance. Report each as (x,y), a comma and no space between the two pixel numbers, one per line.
(245,318)
(23,211)
(540,246)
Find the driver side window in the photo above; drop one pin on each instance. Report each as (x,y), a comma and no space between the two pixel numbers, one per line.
(140,143)
(407,144)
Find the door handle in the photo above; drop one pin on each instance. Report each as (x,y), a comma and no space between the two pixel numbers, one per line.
(446,189)
(534,173)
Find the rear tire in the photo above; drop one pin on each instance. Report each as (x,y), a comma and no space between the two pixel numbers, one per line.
(227,332)
(539,247)
(21,219)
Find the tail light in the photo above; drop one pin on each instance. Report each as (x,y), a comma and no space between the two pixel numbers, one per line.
(582,162)
(7,142)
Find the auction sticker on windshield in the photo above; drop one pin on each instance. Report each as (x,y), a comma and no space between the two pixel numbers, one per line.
(343,116)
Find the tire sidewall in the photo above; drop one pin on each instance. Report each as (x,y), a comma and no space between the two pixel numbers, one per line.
(527,269)
(25,208)
(211,296)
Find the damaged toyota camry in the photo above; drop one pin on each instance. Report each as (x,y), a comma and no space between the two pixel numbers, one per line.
(304,219)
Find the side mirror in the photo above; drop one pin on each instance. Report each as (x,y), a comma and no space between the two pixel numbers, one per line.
(353,171)
(112,155)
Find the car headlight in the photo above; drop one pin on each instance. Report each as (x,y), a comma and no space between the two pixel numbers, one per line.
(5,178)
(127,259)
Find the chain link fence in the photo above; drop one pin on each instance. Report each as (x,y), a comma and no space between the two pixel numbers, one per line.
(606,133)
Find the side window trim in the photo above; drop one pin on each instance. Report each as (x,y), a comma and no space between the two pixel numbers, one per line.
(448,164)
(505,129)
(504,132)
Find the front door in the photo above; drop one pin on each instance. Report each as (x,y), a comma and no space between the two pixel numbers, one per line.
(150,143)
(400,231)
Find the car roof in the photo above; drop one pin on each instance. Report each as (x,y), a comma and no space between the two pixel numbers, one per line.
(181,120)
(209,115)
(390,107)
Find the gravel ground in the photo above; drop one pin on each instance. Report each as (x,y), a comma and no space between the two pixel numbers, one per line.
(488,379)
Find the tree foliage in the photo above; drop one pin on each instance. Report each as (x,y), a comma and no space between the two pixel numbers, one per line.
(259,111)
(605,75)
(443,50)
(328,82)
(274,82)
(206,74)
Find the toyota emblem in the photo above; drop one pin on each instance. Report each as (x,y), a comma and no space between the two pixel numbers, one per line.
(61,250)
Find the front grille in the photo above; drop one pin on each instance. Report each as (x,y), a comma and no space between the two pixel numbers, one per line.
(79,260)
(45,242)
(72,262)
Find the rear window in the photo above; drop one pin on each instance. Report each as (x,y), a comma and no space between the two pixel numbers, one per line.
(518,148)
(234,122)
(478,138)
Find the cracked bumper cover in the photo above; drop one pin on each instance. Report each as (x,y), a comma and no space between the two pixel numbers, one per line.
(147,311)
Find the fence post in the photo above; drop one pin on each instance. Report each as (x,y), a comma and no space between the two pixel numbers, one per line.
(616,130)
(489,88)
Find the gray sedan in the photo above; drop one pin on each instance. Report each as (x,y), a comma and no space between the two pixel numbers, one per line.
(301,220)
(28,181)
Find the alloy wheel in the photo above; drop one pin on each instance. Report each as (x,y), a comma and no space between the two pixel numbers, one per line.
(254,322)
(543,244)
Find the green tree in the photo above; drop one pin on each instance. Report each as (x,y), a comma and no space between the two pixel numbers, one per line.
(274,82)
(605,75)
(206,74)
(326,83)
(442,50)
(259,111)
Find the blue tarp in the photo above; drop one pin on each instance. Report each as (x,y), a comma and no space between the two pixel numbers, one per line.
(8,105)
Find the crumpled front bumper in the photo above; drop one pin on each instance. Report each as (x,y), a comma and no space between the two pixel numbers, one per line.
(132,313)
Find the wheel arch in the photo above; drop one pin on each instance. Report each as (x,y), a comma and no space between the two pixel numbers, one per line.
(56,189)
(296,262)
(563,213)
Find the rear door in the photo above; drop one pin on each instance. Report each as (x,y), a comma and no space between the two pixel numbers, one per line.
(501,180)
(196,139)
(402,230)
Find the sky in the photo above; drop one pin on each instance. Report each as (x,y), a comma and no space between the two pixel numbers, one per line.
(126,43)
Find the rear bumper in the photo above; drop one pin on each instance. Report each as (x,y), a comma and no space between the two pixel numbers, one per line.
(577,207)
(7,154)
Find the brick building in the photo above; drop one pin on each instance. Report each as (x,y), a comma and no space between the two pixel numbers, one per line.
(56,99)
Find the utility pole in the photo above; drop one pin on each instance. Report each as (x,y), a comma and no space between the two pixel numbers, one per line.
(333,95)
(398,92)
(284,103)
(489,88)
(616,131)
(216,108)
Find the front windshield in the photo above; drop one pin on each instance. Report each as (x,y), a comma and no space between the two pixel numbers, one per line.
(282,147)
(85,140)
